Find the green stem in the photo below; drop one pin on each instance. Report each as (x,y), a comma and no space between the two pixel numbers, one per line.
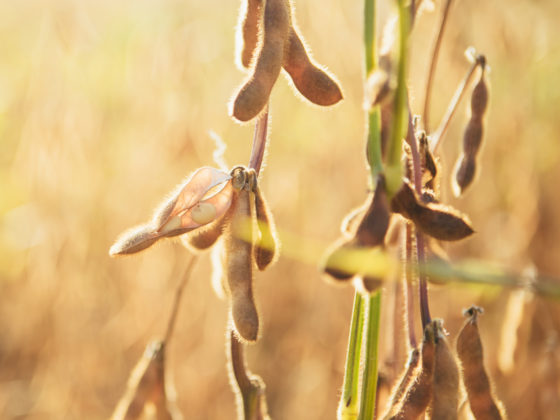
(348,405)
(369,380)
(394,170)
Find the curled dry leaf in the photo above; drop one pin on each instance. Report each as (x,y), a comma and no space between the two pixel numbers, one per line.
(475,378)
(205,197)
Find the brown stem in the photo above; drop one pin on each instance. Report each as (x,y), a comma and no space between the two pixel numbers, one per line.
(239,369)
(417,170)
(259,141)
(177,300)
(452,108)
(433,63)
(408,288)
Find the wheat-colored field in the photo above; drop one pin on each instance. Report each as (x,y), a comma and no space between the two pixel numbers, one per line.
(106,106)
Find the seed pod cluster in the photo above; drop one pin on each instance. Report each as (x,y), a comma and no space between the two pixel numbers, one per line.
(469,349)
(419,392)
(146,385)
(277,45)
(436,220)
(363,229)
(465,168)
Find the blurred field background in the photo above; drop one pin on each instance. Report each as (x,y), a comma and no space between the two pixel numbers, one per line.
(106,105)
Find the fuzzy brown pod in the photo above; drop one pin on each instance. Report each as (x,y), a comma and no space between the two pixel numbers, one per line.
(238,244)
(266,245)
(419,394)
(249,21)
(469,349)
(254,94)
(465,171)
(404,382)
(202,199)
(445,397)
(146,385)
(375,222)
(334,263)
(436,220)
(313,82)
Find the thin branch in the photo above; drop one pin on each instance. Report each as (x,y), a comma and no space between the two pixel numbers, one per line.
(433,63)
(453,105)
(408,288)
(177,300)
(259,141)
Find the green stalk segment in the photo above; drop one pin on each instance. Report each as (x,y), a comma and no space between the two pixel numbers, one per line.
(369,380)
(348,404)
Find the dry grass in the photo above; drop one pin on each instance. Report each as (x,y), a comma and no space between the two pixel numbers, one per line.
(104,106)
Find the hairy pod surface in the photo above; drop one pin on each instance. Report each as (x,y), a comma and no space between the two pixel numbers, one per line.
(419,393)
(465,171)
(445,399)
(479,98)
(312,82)
(250,19)
(204,238)
(373,227)
(406,377)
(472,137)
(475,378)
(267,244)
(436,220)
(239,268)
(254,94)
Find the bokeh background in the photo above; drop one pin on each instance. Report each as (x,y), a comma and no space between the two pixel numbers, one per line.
(106,105)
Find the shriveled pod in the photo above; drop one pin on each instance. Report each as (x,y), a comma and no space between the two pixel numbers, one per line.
(404,381)
(254,94)
(475,378)
(437,220)
(267,244)
(202,199)
(239,239)
(445,397)
(465,168)
(419,393)
(146,385)
(250,18)
(313,82)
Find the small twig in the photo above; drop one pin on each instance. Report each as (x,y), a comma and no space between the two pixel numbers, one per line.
(408,288)
(452,108)
(259,141)
(433,63)
(177,301)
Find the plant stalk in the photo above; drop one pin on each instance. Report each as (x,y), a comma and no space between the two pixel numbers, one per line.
(348,405)
(259,141)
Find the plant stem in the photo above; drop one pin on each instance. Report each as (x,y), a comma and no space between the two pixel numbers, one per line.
(433,63)
(348,405)
(394,168)
(369,380)
(177,300)
(408,287)
(452,108)
(259,141)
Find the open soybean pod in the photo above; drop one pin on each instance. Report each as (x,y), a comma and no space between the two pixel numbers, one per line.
(445,398)
(146,385)
(266,245)
(250,19)
(201,199)
(239,239)
(254,94)
(419,393)
(475,378)
(314,83)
